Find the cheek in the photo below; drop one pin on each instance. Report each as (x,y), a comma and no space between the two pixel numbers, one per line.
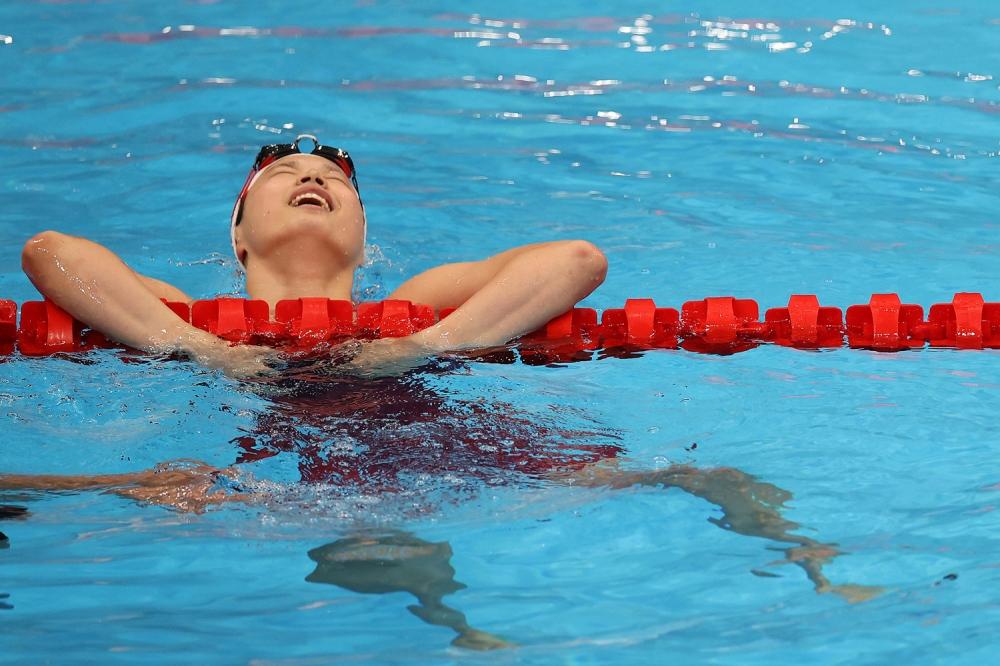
(260,217)
(353,207)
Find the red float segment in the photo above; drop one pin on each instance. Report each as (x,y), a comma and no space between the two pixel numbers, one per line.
(234,319)
(571,336)
(577,327)
(316,318)
(640,324)
(805,324)
(578,324)
(8,326)
(47,329)
(966,323)
(885,324)
(721,320)
(721,325)
(393,319)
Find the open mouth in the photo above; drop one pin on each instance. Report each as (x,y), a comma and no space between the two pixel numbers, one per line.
(310,199)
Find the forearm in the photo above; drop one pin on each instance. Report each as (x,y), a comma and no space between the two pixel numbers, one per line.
(93,285)
(64,482)
(526,293)
(185,485)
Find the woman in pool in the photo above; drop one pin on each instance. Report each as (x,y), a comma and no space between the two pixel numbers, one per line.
(298,230)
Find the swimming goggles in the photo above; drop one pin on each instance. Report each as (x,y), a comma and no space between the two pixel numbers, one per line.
(271,153)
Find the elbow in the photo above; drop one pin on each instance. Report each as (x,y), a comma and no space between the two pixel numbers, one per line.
(588,261)
(41,252)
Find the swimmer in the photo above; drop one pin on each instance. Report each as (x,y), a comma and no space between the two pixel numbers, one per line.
(298,229)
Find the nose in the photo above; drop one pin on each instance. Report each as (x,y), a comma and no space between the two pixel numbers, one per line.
(312,174)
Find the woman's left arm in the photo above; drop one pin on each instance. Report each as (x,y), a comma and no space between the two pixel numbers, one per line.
(505,296)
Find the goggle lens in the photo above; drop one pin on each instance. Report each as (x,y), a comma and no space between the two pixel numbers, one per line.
(269,154)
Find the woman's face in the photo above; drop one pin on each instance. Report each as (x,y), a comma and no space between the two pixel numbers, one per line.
(303,207)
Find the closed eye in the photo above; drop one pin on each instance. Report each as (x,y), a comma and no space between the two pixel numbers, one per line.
(333,172)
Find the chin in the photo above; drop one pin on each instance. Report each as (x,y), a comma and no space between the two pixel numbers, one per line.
(321,249)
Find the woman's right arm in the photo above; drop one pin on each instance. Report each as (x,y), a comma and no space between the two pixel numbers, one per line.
(96,287)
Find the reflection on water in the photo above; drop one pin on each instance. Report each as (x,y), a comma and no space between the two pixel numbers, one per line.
(400,562)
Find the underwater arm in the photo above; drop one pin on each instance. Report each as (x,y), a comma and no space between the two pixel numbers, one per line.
(183,485)
(749,507)
(96,287)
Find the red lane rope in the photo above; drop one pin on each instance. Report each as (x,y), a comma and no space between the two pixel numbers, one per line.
(717,325)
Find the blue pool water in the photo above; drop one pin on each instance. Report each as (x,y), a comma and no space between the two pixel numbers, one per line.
(708,149)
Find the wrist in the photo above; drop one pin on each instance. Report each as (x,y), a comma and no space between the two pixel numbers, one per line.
(433,340)
(194,342)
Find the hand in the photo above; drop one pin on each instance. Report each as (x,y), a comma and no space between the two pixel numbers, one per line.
(474,639)
(248,361)
(856,594)
(237,362)
(182,485)
(388,357)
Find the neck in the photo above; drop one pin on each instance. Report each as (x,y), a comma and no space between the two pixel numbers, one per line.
(267,284)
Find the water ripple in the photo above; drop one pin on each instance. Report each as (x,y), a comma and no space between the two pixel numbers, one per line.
(646,33)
